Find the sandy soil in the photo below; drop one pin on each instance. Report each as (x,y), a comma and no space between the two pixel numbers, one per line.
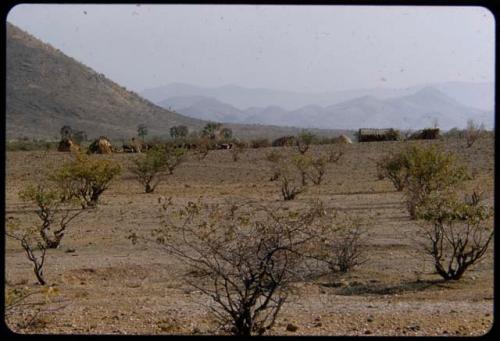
(110,286)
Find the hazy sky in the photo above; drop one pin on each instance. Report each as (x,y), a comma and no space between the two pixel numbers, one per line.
(301,48)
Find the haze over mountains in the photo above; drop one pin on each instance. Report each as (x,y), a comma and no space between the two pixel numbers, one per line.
(47,89)
(451,104)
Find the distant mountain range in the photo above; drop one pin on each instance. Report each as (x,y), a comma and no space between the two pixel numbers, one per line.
(416,107)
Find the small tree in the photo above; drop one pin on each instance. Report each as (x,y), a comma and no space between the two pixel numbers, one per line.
(86,178)
(304,140)
(174,156)
(394,167)
(66,132)
(203,147)
(180,131)
(455,233)
(245,257)
(429,170)
(335,152)
(473,132)
(236,150)
(209,131)
(302,163)
(148,169)
(34,249)
(142,131)
(341,245)
(317,170)
(274,159)
(289,189)
(54,219)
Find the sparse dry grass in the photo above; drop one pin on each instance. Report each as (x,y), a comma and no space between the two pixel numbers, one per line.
(114,286)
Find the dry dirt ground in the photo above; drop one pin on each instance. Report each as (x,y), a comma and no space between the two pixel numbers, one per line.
(110,286)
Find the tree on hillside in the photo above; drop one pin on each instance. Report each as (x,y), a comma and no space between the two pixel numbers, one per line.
(66,132)
(210,129)
(142,131)
(226,133)
(179,131)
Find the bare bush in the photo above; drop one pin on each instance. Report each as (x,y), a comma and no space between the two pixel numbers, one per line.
(290,185)
(341,244)
(34,249)
(304,141)
(274,158)
(335,152)
(473,132)
(454,233)
(317,170)
(245,257)
(302,163)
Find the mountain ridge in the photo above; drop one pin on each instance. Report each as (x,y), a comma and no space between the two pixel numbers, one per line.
(46,89)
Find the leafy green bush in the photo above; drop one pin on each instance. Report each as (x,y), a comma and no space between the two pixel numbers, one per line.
(420,171)
(394,167)
(429,170)
(86,178)
(148,167)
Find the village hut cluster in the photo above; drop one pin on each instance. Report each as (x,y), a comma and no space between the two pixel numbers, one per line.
(390,134)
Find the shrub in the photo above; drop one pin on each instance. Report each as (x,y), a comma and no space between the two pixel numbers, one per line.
(34,249)
(245,258)
(335,152)
(420,171)
(284,141)
(210,129)
(288,189)
(317,169)
(455,233)
(86,178)
(236,150)
(148,168)
(341,246)
(472,133)
(395,168)
(304,140)
(173,157)
(429,170)
(302,163)
(54,218)
(203,147)
(274,158)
